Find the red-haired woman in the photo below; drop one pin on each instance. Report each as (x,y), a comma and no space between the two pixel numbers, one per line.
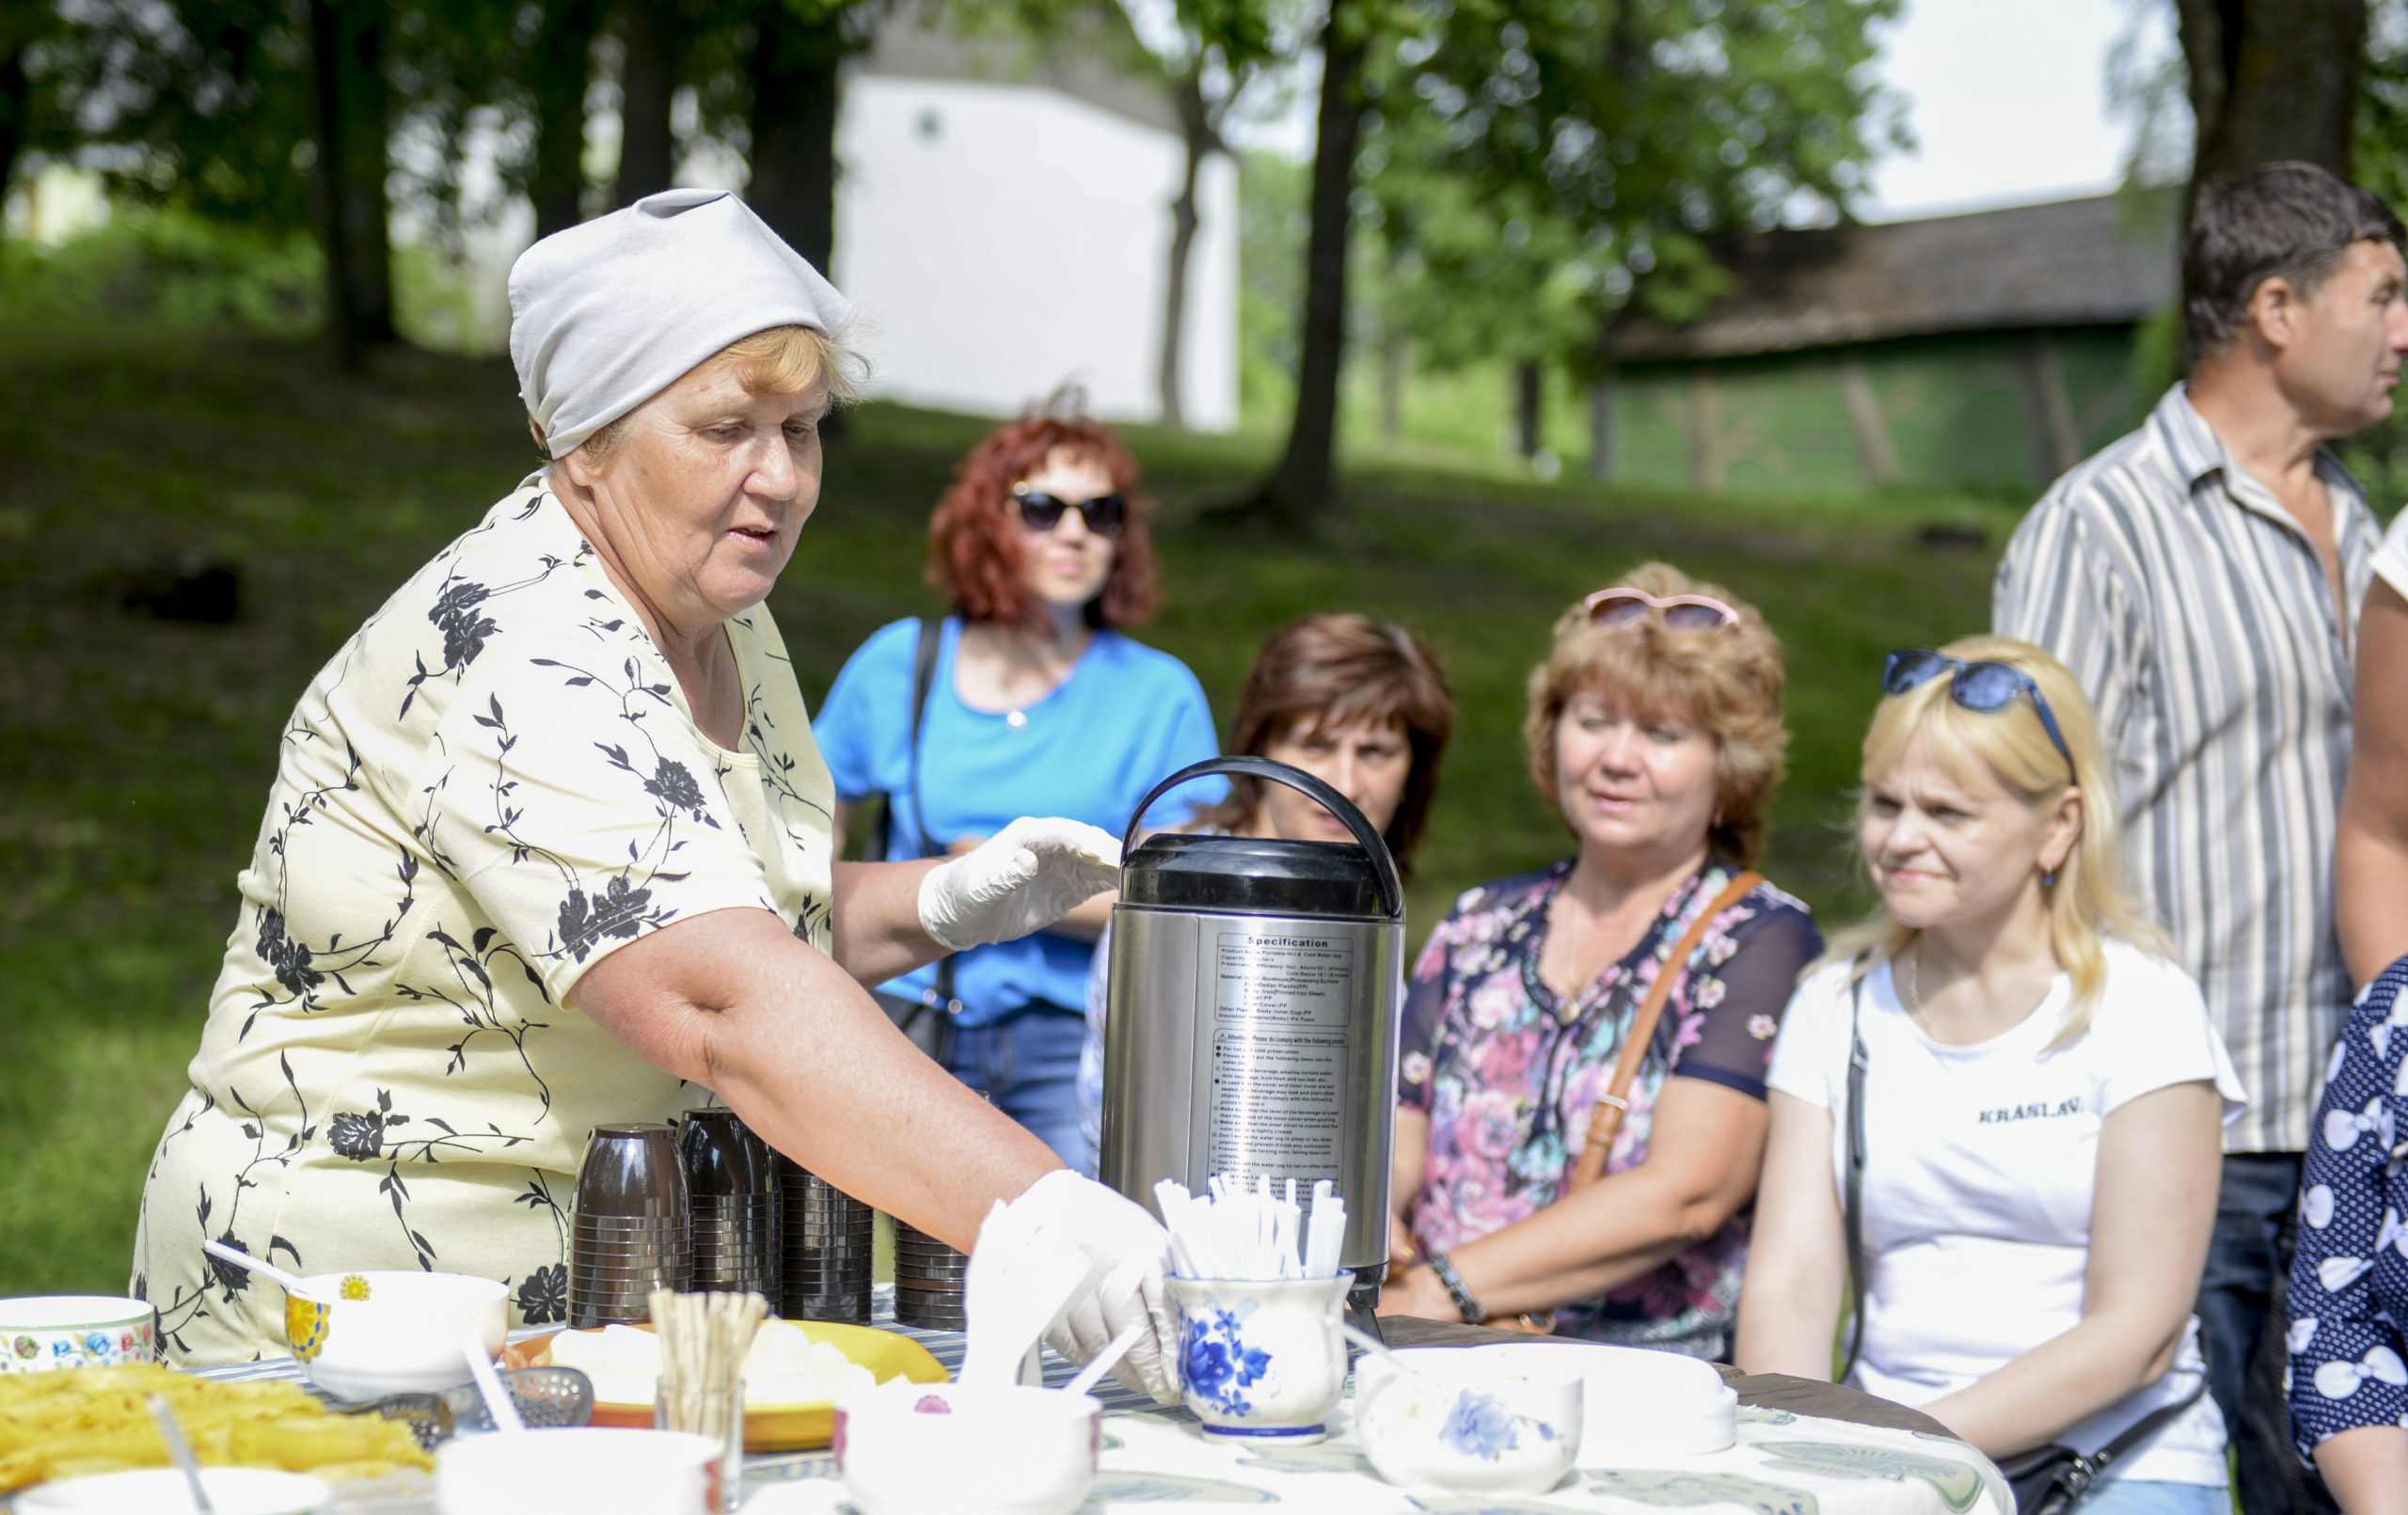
(1037,704)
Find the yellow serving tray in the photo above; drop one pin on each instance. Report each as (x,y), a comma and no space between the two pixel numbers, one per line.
(779,1428)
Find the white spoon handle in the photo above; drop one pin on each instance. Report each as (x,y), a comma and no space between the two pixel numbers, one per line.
(498,1401)
(181,1450)
(257,1264)
(1112,1351)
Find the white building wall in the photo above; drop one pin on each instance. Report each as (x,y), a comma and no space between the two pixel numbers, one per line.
(1003,240)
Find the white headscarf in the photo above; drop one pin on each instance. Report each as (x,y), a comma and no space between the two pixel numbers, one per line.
(605,315)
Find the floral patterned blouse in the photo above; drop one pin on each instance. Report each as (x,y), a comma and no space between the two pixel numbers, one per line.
(1509,1075)
(491,786)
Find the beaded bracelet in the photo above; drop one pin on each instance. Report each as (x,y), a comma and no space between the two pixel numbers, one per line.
(1445,1270)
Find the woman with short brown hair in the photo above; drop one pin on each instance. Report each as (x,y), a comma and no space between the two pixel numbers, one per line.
(1655,731)
(1360,704)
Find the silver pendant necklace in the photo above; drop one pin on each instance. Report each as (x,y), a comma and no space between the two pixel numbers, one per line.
(1912,999)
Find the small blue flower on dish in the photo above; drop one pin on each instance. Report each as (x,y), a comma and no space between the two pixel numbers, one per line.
(1481,1424)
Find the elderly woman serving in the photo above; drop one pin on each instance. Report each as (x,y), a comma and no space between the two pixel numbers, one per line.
(548,846)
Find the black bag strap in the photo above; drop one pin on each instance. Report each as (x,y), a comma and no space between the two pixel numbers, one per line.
(1853,1206)
(2138,1431)
(923,673)
(2086,1470)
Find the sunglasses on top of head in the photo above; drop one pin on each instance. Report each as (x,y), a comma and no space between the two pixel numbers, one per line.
(1982,685)
(1041,511)
(1623,605)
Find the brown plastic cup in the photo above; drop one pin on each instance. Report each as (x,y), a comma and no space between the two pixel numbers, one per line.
(631,1170)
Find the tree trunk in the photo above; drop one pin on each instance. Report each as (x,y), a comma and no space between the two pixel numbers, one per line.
(1528,395)
(16,103)
(1195,132)
(1300,490)
(1601,426)
(347,38)
(647,86)
(558,73)
(2270,80)
(793,130)
(1395,351)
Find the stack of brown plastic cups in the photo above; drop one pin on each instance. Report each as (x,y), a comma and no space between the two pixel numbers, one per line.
(928,1281)
(824,1256)
(732,1198)
(631,1235)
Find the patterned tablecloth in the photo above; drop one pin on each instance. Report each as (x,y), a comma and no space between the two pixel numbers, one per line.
(1786,1463)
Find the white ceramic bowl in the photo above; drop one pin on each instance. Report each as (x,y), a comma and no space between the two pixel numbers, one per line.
(43,1332)
(157,1491)
(591,1469)
(403,1336)
(1640,1404)
(939,1449)
(1454,1421)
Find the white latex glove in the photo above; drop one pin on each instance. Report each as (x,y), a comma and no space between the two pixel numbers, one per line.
(1023,879)
(1130,1247)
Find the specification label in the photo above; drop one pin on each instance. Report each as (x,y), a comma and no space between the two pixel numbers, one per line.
(1283,981)
(1278,1104)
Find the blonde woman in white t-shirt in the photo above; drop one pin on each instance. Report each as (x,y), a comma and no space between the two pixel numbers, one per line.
(2042,1095)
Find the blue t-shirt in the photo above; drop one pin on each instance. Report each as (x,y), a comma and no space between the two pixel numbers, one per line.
(1126,717)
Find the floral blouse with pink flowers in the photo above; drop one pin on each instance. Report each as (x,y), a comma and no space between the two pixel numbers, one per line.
(1509,1075)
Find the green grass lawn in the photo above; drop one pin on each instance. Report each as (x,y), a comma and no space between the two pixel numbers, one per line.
(136,754)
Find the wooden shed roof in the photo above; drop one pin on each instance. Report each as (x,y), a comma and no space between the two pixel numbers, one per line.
(2108,260)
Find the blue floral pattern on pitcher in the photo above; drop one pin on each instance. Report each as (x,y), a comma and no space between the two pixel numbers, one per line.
(1218,1365)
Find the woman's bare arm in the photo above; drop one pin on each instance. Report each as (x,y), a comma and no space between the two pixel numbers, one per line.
(2150,1213)
(2370,856)
(1789,1308)
(734,1002)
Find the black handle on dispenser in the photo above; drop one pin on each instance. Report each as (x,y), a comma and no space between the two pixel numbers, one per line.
(1391,885)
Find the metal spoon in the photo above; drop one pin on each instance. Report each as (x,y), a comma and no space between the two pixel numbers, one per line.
(180,1451)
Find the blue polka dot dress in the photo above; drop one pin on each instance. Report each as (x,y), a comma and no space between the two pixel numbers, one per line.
(2349,1367)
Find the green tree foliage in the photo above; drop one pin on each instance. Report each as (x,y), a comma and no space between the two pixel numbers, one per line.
(1594,151)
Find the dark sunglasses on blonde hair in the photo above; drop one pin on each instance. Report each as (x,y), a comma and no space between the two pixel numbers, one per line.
(1983,686)
(1622,605)
(1041,511)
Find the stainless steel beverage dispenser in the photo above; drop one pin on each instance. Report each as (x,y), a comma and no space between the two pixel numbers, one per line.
(1256,987)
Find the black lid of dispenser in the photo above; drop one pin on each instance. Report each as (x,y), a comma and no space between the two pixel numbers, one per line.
(1260,875)
(1251,875)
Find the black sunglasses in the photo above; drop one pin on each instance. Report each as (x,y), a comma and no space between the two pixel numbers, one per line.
(1982,686)
(1041,511)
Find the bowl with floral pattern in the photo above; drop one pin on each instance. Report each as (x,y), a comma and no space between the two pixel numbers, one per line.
(1435,1418)
(43,1332)
(1261,1360)
(364,1335)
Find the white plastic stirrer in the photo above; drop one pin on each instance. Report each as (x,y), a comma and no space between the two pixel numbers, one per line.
(498,1401)
(263,1267)
(1089,1376)
(180,1451)
(1255,1234)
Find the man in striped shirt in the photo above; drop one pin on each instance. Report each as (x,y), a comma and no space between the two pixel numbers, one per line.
(2201,577)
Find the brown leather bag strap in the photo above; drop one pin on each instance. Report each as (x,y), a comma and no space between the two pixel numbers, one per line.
(1606,1121)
